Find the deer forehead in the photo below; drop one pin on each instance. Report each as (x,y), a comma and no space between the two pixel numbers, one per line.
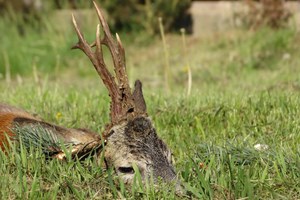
(136,128)
(138,140)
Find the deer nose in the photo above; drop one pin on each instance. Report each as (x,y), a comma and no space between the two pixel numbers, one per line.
(179,190)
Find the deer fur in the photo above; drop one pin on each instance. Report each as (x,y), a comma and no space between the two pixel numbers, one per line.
(12,118)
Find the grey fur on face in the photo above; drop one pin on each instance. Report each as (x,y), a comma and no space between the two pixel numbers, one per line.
(136,142)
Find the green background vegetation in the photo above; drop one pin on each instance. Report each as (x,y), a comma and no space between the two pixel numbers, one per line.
(245,92)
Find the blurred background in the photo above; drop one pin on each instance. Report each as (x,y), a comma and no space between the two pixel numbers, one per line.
(174,44)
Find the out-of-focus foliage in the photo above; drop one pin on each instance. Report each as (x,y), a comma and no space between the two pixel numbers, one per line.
(22,12)
(271,13)
(22,6)
(143,14)
(124,15)
(73,4)
(37,5)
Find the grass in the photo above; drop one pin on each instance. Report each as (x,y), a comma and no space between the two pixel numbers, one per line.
(245,92)
(217,131)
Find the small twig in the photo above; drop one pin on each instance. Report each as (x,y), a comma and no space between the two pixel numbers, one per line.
(7,68)
(57,65)
(35,74)
(36,78)
(166,53)
(187,64)
(19,79)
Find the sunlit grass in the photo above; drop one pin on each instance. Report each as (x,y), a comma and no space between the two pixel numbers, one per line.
(212,138)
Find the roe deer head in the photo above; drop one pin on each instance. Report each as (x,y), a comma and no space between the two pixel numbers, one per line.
(130,136)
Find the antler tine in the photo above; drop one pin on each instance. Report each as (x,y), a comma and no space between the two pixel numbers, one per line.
(99,64)
(121,48)
(98,41)
(116,50)
(81,44)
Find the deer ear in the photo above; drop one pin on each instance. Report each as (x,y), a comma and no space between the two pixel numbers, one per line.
(138,98)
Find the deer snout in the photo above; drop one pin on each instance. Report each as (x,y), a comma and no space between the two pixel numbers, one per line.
(179,189)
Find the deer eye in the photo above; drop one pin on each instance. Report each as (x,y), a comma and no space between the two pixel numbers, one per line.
(126,170)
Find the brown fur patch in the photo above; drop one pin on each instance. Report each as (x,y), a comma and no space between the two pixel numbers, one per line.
(8,114)
(6,122)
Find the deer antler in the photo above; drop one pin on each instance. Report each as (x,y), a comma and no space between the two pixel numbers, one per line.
(122,100)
